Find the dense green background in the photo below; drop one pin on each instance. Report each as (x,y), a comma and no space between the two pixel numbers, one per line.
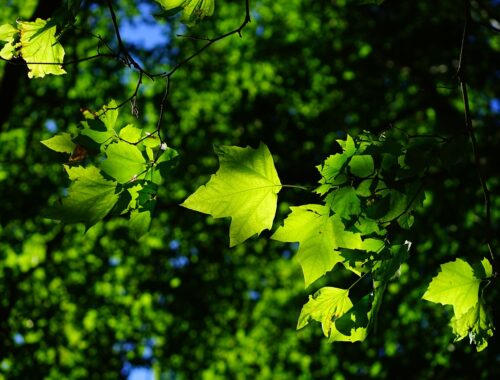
(78,305)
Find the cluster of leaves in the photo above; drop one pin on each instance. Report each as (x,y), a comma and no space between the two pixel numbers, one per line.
(372,186)
(115,170)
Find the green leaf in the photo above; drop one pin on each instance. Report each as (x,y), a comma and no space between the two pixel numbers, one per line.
(344,202)
(130,134)
(245,188)
(193,10)
(90,198)
(8,35)
(61,143)
(353,325)
(475,324)
(319,235)
(40,46)
(325,306)
(361,166)
(140,222)
(455,285)
(124,162)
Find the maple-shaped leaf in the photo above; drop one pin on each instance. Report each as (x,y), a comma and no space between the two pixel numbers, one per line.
(458,285)
(455,285)
(40,48)
(8,35)
(325,306)
(91,197)
(124,162)
(245,188)
(192,10)
(319,235)
(332,167)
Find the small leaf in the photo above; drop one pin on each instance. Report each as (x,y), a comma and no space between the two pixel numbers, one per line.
(344,202)
(319,235)
(130,134)
(90,198)
(325,306)
(40,46)
(361,166)
(61,143)
(140,222)
(245,188)
(8,35)
(475,324)
(124,163)
(193,10)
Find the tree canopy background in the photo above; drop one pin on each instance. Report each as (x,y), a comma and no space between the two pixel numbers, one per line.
(97,304)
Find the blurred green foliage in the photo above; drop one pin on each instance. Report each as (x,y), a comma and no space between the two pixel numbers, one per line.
(79,305)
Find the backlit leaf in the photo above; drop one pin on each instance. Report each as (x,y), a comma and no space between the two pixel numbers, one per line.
(245,188)
(319,235)
(124,162)
(90,198)
(61,143)
(192,10)
(40,48)
(455,285)
(7,35)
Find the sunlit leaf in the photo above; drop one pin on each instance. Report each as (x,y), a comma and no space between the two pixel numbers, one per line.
(193,11)
(7,35)
(319,235)
(124,162)
(455,285)
(61,143)
(245,188)
(325,306)
(40,48)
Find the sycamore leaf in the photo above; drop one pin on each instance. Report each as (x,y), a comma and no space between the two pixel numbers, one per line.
(475,324)
(331,170)
(90,198)
(353,325)
(455,285)
(124,162)
(8,35)
(192,10)
(344,202)
(245,188)
(319,235)
(325,306)
(40,46)
(61,143)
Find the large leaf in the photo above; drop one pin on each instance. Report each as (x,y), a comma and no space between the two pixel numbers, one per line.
(90,198)
(40,48)
(319,235)
(245,188)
